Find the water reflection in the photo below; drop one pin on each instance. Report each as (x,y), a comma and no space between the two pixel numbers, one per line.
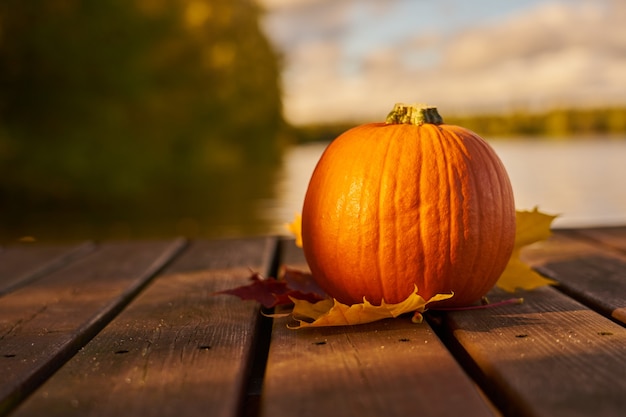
(290,186)
(580,179)
(215,206)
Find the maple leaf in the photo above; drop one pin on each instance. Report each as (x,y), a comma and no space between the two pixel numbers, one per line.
(532,226)
(302,282)
(295,228)
(330,312)
(271,292)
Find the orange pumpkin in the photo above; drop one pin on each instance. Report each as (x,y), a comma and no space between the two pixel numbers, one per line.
(410,202)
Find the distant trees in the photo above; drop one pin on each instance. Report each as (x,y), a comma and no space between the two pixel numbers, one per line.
(111,101)
(553,123)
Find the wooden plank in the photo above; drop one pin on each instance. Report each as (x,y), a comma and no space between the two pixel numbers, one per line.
(597,281)
(567,244)
(591,271)
(613,237)
(45,323)
(550,356)
(388,368)
(176,350)
(21,264)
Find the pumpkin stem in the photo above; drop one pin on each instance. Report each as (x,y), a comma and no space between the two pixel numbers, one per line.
(413,114)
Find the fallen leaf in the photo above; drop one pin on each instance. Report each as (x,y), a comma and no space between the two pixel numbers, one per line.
(302,282)
(295,228)
(331,312)
(532,226)
(270,292)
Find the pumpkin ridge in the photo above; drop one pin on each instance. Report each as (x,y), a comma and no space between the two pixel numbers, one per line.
(430,227)
(492,170)
(496,167)
(443,187)
(409,242)
(477,186)
(481,239)
(382,236)
(371,279)
(506,194)
(466,246)
(495,187)
(416,254)
(456,201)
(482,180)
(466,241)
(421,234)
(398,213)
(389,247)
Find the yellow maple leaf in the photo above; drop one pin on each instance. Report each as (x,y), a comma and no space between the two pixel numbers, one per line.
(532,226)
(331,312)
(295,228)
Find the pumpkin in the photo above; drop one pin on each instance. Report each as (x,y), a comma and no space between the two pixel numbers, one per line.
(408,203)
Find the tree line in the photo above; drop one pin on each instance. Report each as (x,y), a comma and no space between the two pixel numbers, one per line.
(556,123)
(106,104)
(562,122)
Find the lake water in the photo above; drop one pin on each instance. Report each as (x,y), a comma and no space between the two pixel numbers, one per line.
(580,179)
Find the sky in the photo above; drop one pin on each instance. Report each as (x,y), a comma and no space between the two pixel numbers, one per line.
(352,60)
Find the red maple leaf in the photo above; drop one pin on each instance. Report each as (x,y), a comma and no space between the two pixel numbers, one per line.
(302,281)
(271,292)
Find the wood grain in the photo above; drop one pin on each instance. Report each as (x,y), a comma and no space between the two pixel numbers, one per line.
(389,368)
(595,280)
(612,237)
(21,264)
(550,356)
(43,324)
(588,266)
(176,350)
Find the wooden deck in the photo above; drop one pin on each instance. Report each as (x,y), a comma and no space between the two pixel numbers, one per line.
(131,329)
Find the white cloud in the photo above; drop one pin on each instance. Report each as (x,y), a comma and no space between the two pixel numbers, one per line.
(552,53)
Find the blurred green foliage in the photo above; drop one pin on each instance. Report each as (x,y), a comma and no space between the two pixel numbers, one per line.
(555,123)
(133,109)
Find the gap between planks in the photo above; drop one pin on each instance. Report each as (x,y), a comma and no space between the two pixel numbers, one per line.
(391,367)
(43,360)
(176,349)
(24,269)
